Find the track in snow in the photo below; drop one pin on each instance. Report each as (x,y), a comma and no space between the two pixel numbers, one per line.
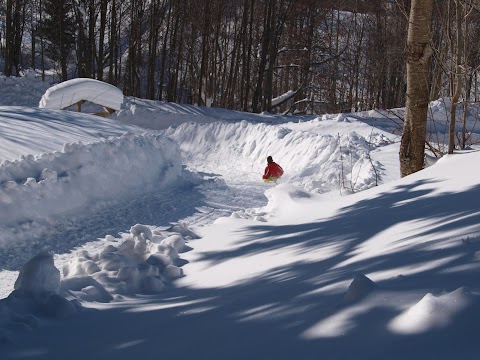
(195,205)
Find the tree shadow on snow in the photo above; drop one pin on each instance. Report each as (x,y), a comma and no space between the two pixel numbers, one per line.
(270,316)
(161,208)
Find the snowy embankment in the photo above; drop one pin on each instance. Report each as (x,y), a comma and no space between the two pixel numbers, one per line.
(314,162)
(158,115)
(37,189)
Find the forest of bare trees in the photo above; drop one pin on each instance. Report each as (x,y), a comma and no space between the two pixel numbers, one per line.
(298,56)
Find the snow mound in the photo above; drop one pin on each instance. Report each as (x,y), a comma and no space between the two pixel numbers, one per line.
(343,117)
(183,229)
(141,263)
(39,275)
(72,91)
(175,241)
(431,312)
(35,297)
(360,287)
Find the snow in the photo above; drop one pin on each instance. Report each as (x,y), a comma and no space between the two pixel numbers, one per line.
(70,92)
(431,312)
(35,189)
(39,275)
(279,99)
(151,234)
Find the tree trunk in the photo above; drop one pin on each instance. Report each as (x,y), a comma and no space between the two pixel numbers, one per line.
(101,40)
(164,51)
(42,47)
(456,78)
(8,39)
(412,148)
(91,40)
(113,40)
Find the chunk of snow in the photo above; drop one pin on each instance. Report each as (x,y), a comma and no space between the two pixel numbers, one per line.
(39,275)
(183,229)
(175,241)
(279,99)
(165,250)
(86,288)
(152,285)
(159,260)
(173,272)
(141,231)
(360,287)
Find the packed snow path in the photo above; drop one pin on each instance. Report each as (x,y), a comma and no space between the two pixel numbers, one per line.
(195,205)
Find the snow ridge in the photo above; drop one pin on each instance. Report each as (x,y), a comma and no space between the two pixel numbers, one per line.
(314,162)
(56,183)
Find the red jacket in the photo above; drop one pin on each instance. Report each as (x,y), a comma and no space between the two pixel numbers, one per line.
(273,170)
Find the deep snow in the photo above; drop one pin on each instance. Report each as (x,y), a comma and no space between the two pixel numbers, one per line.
(161,240)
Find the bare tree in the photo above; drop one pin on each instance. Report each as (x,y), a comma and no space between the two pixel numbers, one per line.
(412,148)
(57,28)
(456,73)
(14,25)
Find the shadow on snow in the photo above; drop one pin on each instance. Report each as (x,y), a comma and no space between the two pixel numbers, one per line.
(265,316)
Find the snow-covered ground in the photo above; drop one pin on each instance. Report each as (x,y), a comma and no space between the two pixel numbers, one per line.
(150,234)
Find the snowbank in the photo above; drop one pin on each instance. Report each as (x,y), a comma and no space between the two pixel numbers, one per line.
(36,189)
(159,115)
(314,162)
(32,131)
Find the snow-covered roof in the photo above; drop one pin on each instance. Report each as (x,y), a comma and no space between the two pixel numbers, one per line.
(72,91)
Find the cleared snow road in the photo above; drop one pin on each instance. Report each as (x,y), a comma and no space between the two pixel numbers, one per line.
(194,204)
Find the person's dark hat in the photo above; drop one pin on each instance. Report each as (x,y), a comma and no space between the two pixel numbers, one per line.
(269,159)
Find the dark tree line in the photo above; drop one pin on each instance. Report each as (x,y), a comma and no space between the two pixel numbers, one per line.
(299,56)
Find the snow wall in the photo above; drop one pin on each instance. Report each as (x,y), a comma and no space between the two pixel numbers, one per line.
(36,188)
(317,163)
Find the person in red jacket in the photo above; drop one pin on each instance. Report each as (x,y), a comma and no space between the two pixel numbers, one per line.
(273,171)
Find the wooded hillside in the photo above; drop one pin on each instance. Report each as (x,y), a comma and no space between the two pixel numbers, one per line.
(311,56)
